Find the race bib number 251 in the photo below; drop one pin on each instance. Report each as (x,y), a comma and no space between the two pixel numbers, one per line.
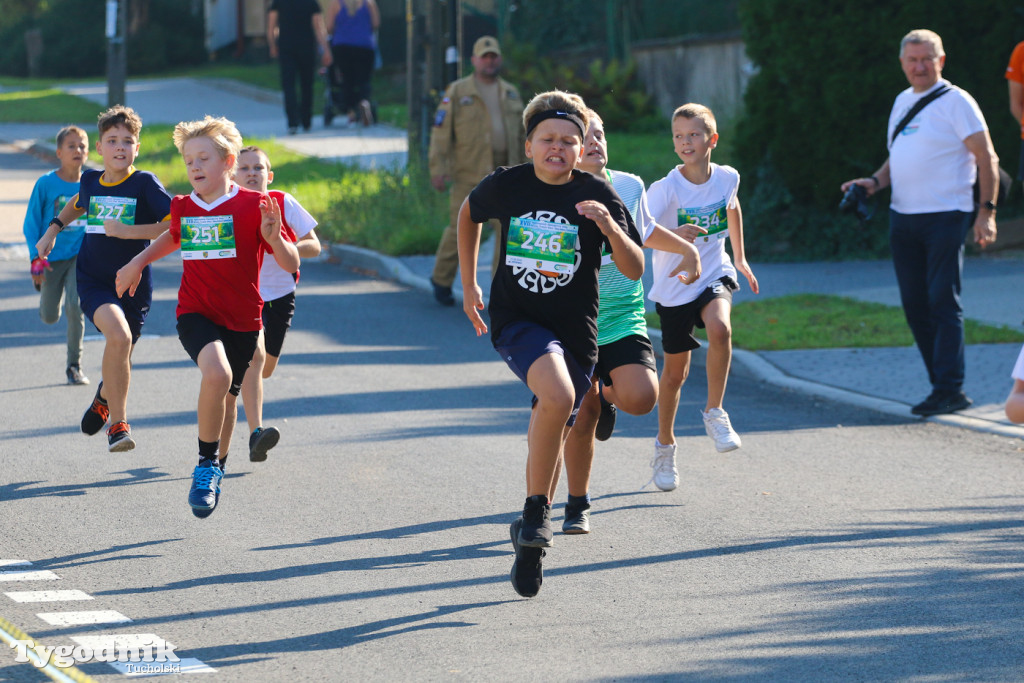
(207,237)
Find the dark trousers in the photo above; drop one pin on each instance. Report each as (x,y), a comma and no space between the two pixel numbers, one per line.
(928,255)
(298,65)
(355,65)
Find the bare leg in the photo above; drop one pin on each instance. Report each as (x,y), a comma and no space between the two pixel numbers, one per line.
(579,445)
(213,363)
(673,376)
(719,329)
(252,386)
(549,380)
(634,389)
(117,351)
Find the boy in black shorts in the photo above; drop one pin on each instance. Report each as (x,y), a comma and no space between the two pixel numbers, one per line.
(223,231)
(543,304)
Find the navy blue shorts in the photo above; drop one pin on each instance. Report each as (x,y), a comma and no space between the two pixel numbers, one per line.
(92,294)
(522,343)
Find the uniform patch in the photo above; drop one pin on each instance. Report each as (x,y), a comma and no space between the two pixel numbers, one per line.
(467,100)
(439,117)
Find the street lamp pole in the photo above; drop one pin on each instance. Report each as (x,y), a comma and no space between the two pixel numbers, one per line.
(116,59)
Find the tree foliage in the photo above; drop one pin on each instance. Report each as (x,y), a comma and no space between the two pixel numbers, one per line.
(817,109)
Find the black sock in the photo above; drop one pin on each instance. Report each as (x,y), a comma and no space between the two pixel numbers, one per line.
(579,501)
(208,449)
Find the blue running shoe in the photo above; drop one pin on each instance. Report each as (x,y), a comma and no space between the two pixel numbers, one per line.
(205,492)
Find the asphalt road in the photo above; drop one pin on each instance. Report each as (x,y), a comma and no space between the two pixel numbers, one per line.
(373,544)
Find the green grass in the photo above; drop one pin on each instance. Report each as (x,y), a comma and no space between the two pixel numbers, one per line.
(819,321)
(46,105)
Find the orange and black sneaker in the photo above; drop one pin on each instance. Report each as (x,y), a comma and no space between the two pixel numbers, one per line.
(97,414)
(119,436)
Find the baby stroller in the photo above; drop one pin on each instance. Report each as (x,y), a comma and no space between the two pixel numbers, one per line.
(366,112)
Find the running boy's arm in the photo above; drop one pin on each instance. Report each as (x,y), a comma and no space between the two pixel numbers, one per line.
(1015,402)
(129,275)
(664,239)
(628,256)
(735,217)
(149,231)
(308,245)
(469,250)
(285,253)
(69,213)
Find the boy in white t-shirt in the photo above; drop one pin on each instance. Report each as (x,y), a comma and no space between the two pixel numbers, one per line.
(277,287)
(1015,401)
(697,196)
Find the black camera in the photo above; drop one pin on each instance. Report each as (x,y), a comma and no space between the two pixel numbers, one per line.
(856,200)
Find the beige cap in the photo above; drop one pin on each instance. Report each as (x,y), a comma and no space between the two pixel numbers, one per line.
(485,45)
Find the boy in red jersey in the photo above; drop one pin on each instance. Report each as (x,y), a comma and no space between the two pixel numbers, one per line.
(223,231)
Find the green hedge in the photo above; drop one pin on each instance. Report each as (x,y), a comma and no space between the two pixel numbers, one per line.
(816,111)
(164,34)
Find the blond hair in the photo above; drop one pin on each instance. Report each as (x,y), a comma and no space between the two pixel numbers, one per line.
(692,110)
(560,100)
(221,132)
(922,36)
(67,130)
(120,115)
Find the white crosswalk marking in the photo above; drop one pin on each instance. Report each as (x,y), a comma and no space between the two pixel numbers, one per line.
(48,596)
(28,575)
(107,616)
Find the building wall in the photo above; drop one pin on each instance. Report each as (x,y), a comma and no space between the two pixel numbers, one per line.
(712,71)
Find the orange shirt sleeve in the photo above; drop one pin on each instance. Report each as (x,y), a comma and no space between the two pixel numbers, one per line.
(1015,69)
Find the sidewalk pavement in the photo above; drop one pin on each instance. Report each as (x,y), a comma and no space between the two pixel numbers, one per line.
(888,380)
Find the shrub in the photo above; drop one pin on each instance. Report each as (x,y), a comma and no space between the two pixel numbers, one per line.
(816,112)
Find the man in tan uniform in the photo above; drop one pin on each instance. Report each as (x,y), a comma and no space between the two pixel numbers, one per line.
(478,127)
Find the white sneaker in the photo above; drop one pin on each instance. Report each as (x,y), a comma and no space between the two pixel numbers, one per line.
(666,476)
(718,427)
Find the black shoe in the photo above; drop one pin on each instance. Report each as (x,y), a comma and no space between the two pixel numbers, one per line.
(527,573)
(942,404)
(535,531)
(605,423)
(261,441)
(292,130)
(443,294)
(577,519)
(75,376)
(97,414)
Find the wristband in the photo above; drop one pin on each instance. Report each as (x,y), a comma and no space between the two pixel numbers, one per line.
(58,222)
(877,184)
(39,265)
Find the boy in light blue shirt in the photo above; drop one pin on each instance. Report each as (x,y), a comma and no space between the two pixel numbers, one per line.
(54,277)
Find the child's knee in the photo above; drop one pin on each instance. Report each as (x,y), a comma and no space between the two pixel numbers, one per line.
(638,400)
(719,332)
(556,400)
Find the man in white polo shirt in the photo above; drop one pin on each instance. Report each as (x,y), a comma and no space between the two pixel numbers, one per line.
(933,162)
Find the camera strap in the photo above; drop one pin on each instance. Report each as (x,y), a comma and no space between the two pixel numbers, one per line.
(916,109)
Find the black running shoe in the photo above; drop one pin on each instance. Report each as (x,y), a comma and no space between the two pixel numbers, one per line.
(942,404)
(443,294)
(527,573)
(262,440)
(535,531)
(605,423)
(119,437)
(97,414)
(577,519)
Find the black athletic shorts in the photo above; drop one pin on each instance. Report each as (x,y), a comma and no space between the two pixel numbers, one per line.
(635,349)
(277,318)
(196,331)
(678,322)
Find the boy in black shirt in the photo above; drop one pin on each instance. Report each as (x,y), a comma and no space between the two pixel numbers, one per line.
(544,296)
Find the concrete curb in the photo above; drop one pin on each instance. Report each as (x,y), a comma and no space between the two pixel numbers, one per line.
(749,363)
